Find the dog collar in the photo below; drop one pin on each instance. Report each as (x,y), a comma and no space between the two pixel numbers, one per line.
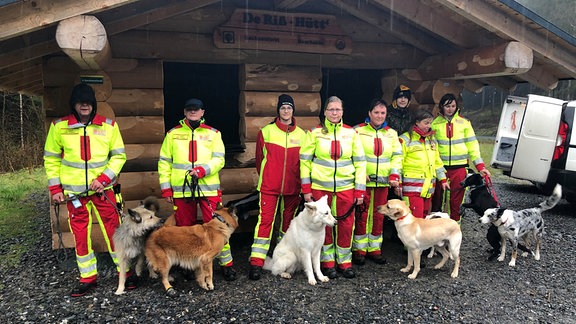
(401,217)
(220,218)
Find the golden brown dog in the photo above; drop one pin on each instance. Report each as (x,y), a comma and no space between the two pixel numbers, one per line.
(191,247)
(419,234)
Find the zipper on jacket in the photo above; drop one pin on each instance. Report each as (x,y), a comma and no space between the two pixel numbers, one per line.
(285,160)
(86,157)
(335,159)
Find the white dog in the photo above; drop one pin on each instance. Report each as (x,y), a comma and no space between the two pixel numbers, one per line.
(300,247)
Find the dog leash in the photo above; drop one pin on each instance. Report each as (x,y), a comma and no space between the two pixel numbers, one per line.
(491,190)
(358,209)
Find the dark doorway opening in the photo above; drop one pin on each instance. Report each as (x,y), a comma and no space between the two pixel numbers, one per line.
(355,87)
(215,84)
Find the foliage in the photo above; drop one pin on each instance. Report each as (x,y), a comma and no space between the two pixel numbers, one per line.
(22,132)
(17,214)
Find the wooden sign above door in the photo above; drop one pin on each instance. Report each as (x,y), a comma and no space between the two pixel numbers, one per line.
(281,31)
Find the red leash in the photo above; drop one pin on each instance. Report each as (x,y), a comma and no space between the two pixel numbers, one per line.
(491,189)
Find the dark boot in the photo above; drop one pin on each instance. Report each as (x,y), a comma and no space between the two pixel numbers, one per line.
(83,288)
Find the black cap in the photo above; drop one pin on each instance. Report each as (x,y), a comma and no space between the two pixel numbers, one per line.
(285,99)
(83,93)
(402,91)
(194,103)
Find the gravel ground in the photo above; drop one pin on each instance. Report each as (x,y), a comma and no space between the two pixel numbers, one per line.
(485,292)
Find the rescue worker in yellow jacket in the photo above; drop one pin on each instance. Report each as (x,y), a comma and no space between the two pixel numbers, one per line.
(421,165)
(191,156)
(83,156)
(458,147)
(332,163)
(383,168)
(278,166)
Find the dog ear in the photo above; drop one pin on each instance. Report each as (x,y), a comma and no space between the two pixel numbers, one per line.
(135,216)
(310,205)
(151,203)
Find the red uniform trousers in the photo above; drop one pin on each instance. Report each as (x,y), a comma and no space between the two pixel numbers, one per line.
(337,248)
(455,176)
(371,225)
(269,204)
(80,221)
(419,206)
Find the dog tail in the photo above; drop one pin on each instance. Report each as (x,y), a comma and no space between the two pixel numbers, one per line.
(551,201)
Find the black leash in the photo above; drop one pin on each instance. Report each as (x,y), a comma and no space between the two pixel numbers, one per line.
(359,209)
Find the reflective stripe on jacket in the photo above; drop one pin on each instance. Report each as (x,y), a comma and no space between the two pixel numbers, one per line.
(457,141)
(75,154)
(422,164)
(278,158)
(333,161)
(184,149)
(383,154)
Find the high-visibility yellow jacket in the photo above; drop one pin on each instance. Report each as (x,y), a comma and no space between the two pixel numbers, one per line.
(383,154)
(75,154)
(185,149)
(457,142)
(421,164)
(278,158)
(333,161)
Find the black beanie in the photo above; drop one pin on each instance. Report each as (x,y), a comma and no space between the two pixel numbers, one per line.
(83,93)
(402,91)
(285,99)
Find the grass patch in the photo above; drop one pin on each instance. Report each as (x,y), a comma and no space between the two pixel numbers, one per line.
(18,218)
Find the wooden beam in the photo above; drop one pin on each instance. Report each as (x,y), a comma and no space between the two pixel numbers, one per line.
(505,59)
(502,24)
(396,28)
(154,15)
(199,48)
(540,77)
(25,16)
(288,4)
(83,39)
(431,19)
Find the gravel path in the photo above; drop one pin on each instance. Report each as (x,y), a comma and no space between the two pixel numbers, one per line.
(485,292)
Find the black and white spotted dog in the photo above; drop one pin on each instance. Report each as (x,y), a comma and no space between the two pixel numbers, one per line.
(480,199)
(526,224)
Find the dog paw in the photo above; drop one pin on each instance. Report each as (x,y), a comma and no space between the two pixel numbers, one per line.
(210,287)
(413,275)
(312,282)
(324,279)
(500,258)
(454,274)
(405,269)
(512,264)
(438,266)
(286,275)
(171,292)
(524,254)
(119,291)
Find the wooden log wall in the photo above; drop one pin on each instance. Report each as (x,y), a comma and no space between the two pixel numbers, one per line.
(260,86)
(425,93)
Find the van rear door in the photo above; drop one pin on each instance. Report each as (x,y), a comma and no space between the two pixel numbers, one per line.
(508,133)
(537,138)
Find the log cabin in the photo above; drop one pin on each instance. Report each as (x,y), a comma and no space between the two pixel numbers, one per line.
(144,58)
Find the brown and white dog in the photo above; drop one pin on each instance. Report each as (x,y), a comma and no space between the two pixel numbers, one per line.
(419,234)
(192,247)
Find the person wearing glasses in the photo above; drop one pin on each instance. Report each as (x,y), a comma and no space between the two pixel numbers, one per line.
(278,167)
(191,156)
(332,163)
(458,147)
(383,167)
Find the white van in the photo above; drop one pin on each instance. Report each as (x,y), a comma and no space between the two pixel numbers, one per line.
(536,141)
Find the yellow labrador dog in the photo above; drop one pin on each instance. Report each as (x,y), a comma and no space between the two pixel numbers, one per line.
(419,234)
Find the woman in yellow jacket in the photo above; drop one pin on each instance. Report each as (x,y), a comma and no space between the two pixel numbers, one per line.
(332,163)
(422,165)
(458,147)
(383,166)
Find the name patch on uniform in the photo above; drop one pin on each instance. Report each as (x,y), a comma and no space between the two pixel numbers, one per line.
(294,141)
(181,136)
(68,131)
(99,132)
(203,138)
